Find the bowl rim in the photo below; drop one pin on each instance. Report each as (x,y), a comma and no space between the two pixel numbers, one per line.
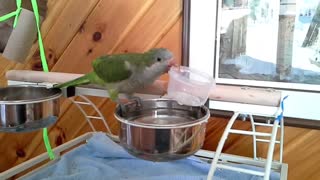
(199,121)
(30,126)
(56,95)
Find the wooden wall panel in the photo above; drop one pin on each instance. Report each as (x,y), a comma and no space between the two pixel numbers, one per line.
(65,48)
(6,65)
(74,38)
(152,27)
(102,29)
(65,27)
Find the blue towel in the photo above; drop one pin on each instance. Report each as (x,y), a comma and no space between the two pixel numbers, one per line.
(101,158)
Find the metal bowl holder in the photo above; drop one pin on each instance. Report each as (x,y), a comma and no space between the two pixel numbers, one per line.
(217,159)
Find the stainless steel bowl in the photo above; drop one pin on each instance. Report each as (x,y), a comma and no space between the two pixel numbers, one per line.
(27,108)
(161,129)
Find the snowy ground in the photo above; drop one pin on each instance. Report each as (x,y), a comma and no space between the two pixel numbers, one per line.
(260,57)
(302,56)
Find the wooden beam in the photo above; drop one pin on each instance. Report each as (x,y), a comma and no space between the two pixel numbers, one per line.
(221,93)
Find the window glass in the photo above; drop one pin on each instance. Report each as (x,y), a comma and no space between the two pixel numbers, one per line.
(267,40)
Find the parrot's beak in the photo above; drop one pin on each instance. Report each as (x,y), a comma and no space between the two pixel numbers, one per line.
(172,63)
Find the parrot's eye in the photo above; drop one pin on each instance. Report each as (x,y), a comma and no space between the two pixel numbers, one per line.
(158,59)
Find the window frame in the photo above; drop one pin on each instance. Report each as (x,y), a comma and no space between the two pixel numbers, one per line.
(199,45)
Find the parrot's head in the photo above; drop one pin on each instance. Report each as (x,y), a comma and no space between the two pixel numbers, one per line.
(161,59)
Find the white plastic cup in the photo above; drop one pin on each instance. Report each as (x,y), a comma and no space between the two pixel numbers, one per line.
(189,86)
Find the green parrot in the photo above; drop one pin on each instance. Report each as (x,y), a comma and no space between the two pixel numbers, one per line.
(125,73)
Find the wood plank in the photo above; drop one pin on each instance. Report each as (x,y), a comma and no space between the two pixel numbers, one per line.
(55,7)
(301,153)
(103,28)
(6,65)
(13,148)
(67,25)
(152,27)
(172,40)
(53,11)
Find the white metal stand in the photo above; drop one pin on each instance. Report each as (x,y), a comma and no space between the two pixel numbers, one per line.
(220,160)
(257,137)
(86,102)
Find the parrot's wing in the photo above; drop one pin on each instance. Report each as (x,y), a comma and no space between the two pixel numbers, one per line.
(111,70)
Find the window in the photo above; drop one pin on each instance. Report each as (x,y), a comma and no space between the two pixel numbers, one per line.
(261,43)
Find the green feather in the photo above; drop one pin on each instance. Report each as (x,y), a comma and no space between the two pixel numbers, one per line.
(111,69)
(115,68)
(86,79)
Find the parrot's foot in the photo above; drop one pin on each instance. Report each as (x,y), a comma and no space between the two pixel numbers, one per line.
(123,109)
(137,100)
(123,104)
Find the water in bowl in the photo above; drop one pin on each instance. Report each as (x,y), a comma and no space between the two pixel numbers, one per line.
(184,98)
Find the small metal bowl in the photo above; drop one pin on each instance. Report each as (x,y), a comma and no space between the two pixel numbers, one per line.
(161,129)
(26,108)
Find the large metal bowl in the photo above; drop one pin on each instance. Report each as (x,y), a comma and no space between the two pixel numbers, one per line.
(27,108)
(161,129)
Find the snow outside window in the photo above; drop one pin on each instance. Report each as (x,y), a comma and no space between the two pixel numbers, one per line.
(261,43)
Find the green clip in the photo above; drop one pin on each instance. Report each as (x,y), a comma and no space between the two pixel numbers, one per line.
(41,48)
(15,13)
(18,11)
(7,16)
(45,69)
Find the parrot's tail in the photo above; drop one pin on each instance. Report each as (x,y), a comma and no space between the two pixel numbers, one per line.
(79,81)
